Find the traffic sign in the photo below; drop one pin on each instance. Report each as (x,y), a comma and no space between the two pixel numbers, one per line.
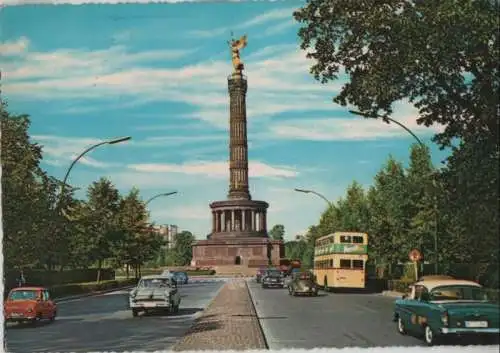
(415,255)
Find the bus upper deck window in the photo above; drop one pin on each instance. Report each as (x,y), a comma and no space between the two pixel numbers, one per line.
(357,240)
(358,264)
(345,239)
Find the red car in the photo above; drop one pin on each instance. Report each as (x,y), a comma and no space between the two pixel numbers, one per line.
(29,304)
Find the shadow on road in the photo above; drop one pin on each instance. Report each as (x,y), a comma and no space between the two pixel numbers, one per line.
(181,312)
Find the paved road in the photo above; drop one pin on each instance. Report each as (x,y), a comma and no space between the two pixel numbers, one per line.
(103,323)
(330,320)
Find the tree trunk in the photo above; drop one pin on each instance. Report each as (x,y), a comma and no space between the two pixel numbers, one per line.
(99,266)
(127,270)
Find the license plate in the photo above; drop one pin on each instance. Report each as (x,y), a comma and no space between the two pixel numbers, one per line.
(476,324)
(149,305)
(16,315)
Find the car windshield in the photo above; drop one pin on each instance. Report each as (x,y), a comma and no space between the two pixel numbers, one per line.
(154,283)
(179,274)
(23,295)
(463,292)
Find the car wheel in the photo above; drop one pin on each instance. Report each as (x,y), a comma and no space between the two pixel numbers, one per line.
(53,317)
(429,336)
(401,326)
(135,313)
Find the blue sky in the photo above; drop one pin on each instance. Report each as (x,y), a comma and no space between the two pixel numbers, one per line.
(157,72)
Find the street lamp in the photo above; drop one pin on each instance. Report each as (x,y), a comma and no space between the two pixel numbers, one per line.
(159,195)
(107,142)
(330,204)
(366,115)
(422,145)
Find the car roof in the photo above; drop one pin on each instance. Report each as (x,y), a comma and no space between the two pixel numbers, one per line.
(155,277)
(28,288)
(431,284)
(435,277)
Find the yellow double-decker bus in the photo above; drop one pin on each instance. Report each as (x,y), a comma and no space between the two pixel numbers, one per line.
(340,260)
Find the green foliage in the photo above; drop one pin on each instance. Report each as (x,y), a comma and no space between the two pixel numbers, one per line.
(46,229)
(182,251)
(277,232)
(83,288)
(440,55)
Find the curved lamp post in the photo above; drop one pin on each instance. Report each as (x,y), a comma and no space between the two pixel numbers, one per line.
(107,142)
(366,115)
(422,145)
(330,204)
(159,195)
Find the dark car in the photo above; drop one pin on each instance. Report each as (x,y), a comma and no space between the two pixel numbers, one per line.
(302,283)
(272,278)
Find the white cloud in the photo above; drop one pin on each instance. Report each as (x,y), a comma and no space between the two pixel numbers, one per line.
(278,77)
(353,128)
(14,47)
(217,169)
(63,150)
(267,17)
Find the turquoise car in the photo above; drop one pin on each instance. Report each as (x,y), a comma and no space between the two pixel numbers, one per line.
(443,308)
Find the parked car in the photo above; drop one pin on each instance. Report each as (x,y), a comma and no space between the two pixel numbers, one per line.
(29,304)
(272,278)
(181,277)
(154,292)
(303,283)
(447,308)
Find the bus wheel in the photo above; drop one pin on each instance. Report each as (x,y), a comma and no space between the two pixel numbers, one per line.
(325,284)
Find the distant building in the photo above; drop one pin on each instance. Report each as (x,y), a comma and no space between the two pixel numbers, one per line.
(168,232)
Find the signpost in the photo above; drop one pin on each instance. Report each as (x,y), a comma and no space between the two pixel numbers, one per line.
(415,256)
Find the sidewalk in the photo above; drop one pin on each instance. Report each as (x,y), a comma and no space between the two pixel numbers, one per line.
(229,323)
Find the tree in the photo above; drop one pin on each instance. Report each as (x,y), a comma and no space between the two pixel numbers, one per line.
(440,55)
(101,221)
(132,218)
(182,250)
(422,188)
(24,193)
(353,211)
(389,221)
(277,232)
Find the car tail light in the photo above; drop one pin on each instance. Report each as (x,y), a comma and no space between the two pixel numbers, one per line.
(445,318)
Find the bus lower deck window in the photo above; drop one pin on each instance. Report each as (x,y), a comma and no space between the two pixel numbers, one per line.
(345,239)
(345,263)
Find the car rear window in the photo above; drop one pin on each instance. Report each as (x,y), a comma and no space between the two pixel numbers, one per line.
(23,295)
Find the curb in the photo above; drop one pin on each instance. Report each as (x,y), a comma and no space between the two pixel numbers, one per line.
(91,294)
(393,294)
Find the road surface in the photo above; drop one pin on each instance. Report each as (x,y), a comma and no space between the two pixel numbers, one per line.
(103,323)
(330,320)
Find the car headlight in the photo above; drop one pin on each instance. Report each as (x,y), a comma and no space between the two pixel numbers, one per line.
(445,318)
(30,310)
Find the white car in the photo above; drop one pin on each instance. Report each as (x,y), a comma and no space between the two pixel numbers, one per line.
(153,293)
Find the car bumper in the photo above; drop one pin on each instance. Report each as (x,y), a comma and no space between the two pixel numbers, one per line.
(468,331)
(274,284)
(20,318)
(149,305)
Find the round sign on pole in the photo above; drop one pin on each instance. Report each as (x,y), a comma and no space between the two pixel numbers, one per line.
(415,255)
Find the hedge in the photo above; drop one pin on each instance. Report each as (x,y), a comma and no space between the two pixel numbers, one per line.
(89,287)
(402,287)
(190,272)
(52,278)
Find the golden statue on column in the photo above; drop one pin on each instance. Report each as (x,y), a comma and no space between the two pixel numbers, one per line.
(236,45)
